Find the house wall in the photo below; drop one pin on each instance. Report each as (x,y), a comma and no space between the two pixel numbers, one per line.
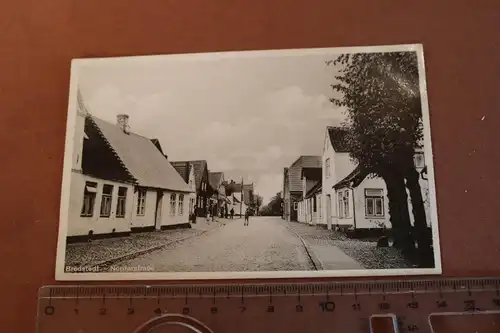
(80,226)
(169,218)
(328,183)
(148,219)
(357,218)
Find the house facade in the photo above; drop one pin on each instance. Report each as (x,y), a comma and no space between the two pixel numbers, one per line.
(203,189)
(240,197)
(186,171)
(121,182)
(350,200)
(353,200)
(310,209)
(219,200)
(293,185)
(308,206)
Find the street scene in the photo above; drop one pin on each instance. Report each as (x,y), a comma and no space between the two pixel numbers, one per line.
(312,160)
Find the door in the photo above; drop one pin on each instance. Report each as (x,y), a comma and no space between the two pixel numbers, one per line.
(328,211)
(158,209)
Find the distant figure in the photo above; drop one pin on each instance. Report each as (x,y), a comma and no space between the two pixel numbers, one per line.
(214,212)
(208,216)
(247,216)
(232,213)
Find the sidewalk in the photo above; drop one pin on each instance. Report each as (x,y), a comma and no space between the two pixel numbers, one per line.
(336,251)
(320,244)
(105,251)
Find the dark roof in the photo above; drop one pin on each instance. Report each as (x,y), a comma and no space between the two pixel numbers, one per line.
(353,179)
(338,138)
(199,167)
(183,169)
(99,159)
(312,173)
(141,158)
(317,188)
(156,142)
(215,179)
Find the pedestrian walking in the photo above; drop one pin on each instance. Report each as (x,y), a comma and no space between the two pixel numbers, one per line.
(232,213)
(208,216)
(247,217)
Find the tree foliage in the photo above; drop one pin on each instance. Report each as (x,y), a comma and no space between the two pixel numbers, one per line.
(381,94)
(274,207)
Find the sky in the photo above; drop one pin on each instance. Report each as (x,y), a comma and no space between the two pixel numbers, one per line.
(248,115)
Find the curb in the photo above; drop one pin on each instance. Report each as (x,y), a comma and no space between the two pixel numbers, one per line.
(318,265)
(109,262)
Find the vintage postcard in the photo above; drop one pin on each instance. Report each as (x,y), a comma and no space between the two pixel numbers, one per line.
(260,164)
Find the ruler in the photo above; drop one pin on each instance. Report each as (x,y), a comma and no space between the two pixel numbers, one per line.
(415,306)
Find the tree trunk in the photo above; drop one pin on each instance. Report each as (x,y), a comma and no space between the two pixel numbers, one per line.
(398,211)
(421,232)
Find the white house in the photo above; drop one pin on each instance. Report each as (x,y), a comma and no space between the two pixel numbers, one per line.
(351,200)
(307,207)
(187,171)
(121,182)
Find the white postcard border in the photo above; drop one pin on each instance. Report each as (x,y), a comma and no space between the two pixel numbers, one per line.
(76,64)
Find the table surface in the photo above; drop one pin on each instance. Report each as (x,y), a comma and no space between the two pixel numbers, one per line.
(39,38)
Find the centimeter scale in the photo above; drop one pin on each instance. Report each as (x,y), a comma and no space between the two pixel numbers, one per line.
(442,306)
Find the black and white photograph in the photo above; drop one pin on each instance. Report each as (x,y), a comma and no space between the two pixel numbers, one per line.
(251,164)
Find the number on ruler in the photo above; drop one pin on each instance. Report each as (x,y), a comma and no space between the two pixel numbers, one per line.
(102,311)
(299,308)
(327,306)
(384,306)
(185,310)
(356,307)
(270,308)
(49,310)
(469,305)
(243,308)
(441,304)
(413,305)
(130,311)
(214,310)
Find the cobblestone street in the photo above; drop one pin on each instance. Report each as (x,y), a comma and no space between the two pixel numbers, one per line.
(265,245)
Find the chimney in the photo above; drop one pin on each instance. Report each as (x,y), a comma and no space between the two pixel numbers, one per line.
(122,122)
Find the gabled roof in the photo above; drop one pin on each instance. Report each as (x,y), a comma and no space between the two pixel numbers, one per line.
(199,167)
(215,179)
(183,169)
(294,173)
(317,188)
(338,138)
(141,158)
(353,179)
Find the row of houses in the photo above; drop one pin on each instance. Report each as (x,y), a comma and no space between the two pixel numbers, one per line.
(123,182)
(332,191)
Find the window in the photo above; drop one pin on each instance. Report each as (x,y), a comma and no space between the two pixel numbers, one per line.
(173,198)
(191,205)
(327,168)
(141,202)
(319,207)
(374,202)
(419,160)
(295,206)
(107,195)
(181,204)
(341,204)
(122,200)
(346,204)
(89,194)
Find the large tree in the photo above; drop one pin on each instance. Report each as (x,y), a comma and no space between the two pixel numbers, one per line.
(381,94)
(274,207)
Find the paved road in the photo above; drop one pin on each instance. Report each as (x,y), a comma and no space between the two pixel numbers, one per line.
(265,245)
